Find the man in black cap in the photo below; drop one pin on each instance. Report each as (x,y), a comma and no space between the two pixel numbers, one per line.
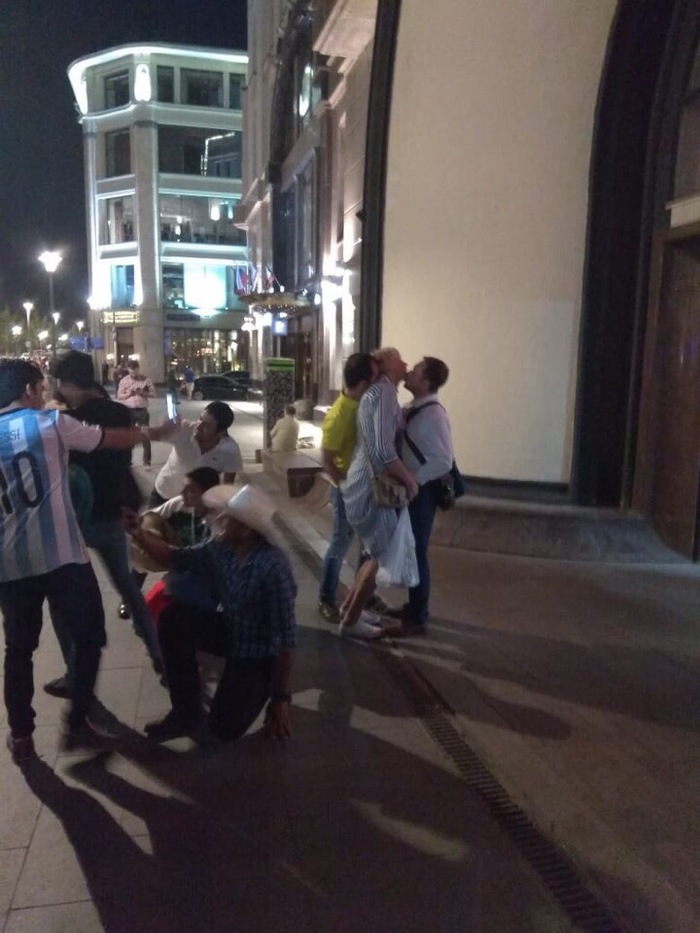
(113,488)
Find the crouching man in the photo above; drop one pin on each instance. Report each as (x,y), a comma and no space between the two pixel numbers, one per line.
(255,629)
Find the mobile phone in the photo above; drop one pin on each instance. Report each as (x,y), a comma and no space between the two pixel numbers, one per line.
(171,404)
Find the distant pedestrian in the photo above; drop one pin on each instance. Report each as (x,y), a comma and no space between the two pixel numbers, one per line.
(105,373)
(189,377)
(285,433)
(134,391)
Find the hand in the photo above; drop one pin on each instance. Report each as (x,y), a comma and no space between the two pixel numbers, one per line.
(131,520)
(411,489)
(278,720)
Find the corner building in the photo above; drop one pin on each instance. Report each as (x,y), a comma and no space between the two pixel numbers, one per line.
(162,130)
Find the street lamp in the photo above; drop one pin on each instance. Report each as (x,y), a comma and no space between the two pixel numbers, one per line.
(28,308)
(51,260)
(55,317)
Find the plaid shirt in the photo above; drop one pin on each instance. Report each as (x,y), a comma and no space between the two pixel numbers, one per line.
(257,595)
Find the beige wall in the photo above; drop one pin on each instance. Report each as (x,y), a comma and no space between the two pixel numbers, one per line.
(489,153)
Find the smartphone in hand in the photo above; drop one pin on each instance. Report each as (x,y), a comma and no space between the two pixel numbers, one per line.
(171,404)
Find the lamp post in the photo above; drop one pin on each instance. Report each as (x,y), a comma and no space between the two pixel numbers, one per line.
(16,333)
(51,260)
(28,308)
(55,317)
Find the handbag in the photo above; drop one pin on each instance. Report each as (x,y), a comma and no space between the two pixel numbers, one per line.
(450,488)
(388,493)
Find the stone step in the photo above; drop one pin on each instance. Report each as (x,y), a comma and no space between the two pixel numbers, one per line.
(563,532)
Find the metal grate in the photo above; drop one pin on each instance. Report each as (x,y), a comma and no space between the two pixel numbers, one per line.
(557,873)
(559,876)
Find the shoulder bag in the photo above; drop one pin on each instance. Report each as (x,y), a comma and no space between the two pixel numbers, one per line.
(451,485)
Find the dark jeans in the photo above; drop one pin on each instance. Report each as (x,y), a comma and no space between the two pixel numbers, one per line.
(422,514)
(75,595)
(140,416)
(245,684)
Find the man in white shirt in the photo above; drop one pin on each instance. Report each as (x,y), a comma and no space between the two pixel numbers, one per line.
(205,442)
(134,391)
(427,452)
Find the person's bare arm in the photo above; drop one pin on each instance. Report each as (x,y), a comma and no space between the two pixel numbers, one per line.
(121,438)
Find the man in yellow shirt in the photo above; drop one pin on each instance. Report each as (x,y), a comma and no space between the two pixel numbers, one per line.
(338,445)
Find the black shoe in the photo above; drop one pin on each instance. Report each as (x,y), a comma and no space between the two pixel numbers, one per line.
(124,612)
(22,749)
(173,726)
(90,735)
(58,688)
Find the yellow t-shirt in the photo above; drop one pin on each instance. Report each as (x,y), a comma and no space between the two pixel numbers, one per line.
(340,430)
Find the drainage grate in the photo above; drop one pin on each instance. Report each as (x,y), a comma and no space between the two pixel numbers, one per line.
(557,873)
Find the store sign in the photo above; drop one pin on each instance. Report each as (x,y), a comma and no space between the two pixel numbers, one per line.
(121,318)
(181,316)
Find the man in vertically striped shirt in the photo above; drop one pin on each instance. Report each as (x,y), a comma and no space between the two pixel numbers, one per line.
(42,554)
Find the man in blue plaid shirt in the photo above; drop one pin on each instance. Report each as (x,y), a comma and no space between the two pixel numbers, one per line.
(255,628)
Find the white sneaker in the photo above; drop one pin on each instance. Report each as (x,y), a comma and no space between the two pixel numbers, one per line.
(361,629)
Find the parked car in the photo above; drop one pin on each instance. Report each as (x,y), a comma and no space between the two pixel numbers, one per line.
(239,375)
(219,386)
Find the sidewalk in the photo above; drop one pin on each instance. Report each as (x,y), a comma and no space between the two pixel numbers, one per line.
(579,685)
(575,684)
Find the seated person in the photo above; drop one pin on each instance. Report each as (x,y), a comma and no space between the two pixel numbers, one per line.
(183,521)
(255,629)
(285,434)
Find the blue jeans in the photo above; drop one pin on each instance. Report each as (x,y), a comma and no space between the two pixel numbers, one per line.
(422,514)
(74,595)
(109,539)
(335,555)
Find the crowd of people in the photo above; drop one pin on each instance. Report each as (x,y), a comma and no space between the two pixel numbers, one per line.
(66,484)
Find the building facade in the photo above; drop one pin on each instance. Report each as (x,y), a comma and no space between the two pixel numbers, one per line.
(512,188)
(304,153)
(163,139)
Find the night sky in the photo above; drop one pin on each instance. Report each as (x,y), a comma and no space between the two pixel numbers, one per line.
(42,202)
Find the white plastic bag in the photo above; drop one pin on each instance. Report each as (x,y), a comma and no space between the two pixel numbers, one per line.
(397,565)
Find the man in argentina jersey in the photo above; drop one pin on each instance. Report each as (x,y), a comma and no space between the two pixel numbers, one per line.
(42,554)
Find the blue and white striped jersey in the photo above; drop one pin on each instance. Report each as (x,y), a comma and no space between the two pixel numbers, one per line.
(38,528)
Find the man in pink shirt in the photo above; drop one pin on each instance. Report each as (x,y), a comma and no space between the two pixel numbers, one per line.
(134,391)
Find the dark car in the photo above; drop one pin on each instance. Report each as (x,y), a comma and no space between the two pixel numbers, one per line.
(219,386)
(238,375)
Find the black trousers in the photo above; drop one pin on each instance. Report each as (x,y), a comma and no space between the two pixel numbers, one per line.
(75,597)
(140,416)
(245,685)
